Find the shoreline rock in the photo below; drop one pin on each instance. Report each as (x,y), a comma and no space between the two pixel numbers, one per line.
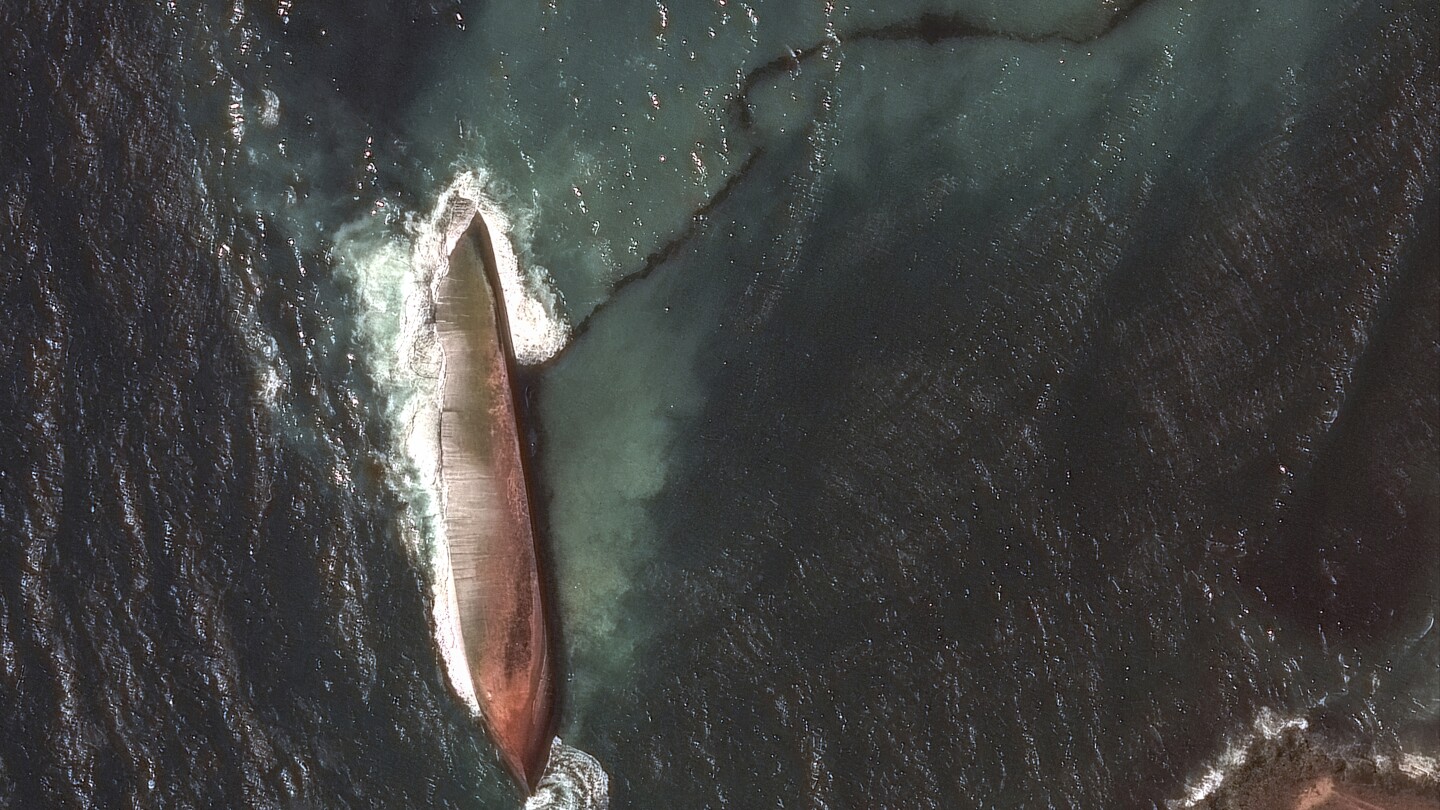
(1293,772)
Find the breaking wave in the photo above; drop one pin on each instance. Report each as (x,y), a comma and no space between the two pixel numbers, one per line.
(1268,725)
(1272,731)
(573,780)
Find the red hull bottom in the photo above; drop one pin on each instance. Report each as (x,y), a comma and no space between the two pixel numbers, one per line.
(488,518)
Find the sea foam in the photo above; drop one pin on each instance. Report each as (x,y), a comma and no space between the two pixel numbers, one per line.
(1268,725)
(1271,726)
(395,279)
(573,780)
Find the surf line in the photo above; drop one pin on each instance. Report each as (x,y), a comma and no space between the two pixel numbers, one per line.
(928,28)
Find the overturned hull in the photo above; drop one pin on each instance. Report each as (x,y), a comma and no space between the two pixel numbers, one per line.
(488,519)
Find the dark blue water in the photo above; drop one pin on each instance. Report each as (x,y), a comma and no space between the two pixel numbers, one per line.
(964,406)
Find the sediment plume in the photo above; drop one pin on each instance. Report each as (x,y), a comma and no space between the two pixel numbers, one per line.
(489,523)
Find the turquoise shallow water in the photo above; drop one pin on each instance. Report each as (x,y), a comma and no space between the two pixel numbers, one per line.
(977,405)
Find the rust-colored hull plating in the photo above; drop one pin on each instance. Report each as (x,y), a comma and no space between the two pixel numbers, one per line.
(488,519)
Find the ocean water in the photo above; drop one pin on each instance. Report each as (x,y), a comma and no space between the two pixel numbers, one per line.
(936,405)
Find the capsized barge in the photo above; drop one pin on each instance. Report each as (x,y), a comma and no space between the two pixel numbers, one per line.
(489,522)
